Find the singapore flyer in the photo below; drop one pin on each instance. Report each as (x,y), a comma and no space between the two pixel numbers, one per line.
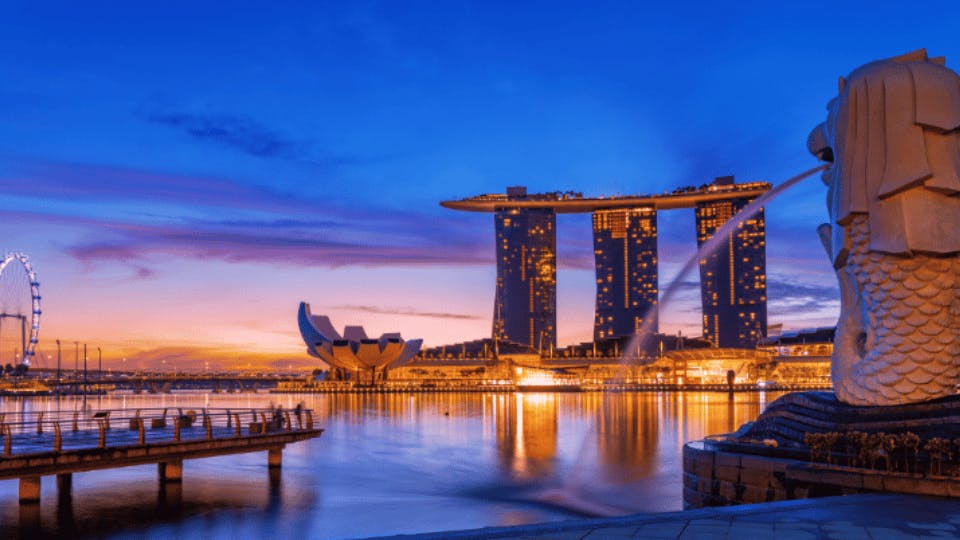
(19,310)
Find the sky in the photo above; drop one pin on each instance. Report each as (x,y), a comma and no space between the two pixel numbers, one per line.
(183,174)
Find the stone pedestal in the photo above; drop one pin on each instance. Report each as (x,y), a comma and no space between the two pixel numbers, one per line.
(768,460)
(792,416)
(713,476)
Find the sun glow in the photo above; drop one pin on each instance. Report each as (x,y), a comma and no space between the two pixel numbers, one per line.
(534,378)
(525,376)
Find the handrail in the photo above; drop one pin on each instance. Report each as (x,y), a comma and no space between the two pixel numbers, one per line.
(107,428)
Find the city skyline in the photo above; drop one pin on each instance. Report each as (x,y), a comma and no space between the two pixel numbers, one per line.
(181,184)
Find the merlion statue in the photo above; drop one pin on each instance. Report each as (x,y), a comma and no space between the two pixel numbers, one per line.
(892,136)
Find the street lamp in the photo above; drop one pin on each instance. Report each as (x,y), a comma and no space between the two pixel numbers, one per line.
(99,366)
(58,361)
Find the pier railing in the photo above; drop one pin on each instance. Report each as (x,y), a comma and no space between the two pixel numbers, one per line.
(57,431)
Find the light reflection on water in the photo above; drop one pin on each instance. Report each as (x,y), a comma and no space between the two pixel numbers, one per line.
(397,463)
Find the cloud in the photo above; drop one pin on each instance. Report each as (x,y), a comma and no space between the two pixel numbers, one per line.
(200,358)
(778,288)
(258,224)
(87,183)
(142,272)
(411,312)
(236,132)
(789,298)
(274,243)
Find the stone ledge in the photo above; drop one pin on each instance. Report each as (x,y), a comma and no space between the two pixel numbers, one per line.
(764,479)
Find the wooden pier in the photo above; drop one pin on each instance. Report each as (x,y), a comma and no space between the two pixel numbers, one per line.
(66,442)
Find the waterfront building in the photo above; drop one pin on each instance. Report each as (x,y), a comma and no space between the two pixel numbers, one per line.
(625,250)
(733,278)
(353,355)
(525,305)
(733,281)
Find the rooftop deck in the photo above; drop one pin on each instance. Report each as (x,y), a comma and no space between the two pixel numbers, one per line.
(577,205)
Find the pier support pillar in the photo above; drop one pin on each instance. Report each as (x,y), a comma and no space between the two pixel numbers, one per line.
(275,457)
(171,494)
(170,471)
(29,489)
(29,520)
(64,484)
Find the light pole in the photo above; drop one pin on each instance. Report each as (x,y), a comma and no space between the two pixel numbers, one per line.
(58,361)
(99,366)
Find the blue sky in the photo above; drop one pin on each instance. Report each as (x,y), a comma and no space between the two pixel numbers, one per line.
(183,174)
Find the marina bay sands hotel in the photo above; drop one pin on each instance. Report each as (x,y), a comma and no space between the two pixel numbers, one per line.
(733,287)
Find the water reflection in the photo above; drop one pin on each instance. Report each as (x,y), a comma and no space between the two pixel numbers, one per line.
(419,462)
(627,429)
(526,435)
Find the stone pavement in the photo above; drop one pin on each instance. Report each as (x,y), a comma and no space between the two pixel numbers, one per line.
(867,516)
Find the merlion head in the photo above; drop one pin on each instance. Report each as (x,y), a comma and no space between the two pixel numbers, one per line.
(892,138)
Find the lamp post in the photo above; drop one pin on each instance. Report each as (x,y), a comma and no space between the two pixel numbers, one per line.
(58,361)
(76,363)
(99,366)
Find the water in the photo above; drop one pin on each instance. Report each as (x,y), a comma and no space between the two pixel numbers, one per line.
(399,463)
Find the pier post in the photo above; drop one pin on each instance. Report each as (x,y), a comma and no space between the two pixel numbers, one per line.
(275,457)
(102,441)
(64,484)
(170,471)
(29,520)
(170,495)
(29,489)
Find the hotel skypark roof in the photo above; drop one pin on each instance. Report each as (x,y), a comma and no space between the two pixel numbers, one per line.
(565,203)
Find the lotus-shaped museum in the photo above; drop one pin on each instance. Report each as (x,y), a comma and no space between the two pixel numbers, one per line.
(353,353)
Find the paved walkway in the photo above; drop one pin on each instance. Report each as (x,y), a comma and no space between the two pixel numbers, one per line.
(870,516)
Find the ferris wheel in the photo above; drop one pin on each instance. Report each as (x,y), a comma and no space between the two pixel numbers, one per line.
(20,301)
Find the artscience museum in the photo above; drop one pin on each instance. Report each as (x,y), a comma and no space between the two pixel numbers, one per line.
(353,355)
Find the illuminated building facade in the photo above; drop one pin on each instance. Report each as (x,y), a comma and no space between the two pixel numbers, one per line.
(733,279)
(625,250)
(525,305)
